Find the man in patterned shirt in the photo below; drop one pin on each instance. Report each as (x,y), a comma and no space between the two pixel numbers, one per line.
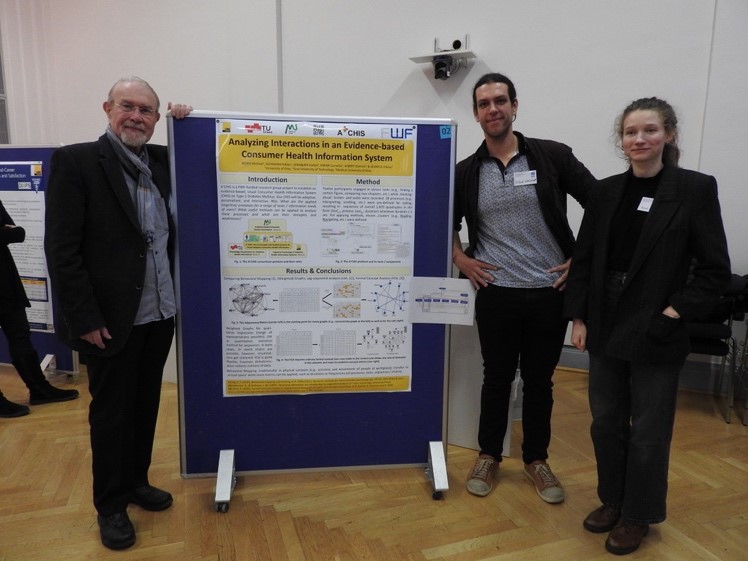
(512,194)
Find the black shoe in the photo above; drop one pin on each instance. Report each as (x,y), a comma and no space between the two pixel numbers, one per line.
(50,394)
(151,498)
(10,409)
(116,530)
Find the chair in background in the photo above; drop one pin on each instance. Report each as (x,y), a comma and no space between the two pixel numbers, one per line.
(713,335)
(741,376)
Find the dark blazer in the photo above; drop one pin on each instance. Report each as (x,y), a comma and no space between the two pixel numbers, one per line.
(12,293)
(559,174)
(681,259)
(93,242)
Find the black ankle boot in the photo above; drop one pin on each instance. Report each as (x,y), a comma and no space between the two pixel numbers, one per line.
(9,409)
(50,394)
(40,390)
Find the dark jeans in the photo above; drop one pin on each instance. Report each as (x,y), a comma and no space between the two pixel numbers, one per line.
(633,410)
(125,391)
(518,326)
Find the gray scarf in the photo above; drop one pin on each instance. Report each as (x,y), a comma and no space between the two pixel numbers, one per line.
(147,191)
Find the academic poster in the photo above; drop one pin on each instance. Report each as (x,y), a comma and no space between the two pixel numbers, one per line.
(316,233)
(23,197)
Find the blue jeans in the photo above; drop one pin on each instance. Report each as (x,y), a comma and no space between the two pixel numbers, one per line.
(633,410)
(525,327)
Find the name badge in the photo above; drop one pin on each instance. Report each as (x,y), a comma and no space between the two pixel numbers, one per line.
(526,177)
(645,204)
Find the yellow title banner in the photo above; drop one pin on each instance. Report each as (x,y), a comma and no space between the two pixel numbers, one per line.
(283,154)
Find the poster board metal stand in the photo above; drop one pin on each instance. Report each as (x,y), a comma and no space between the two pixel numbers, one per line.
(437,470)
(225,480)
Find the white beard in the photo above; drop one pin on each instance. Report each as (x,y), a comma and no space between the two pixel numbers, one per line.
(133,138)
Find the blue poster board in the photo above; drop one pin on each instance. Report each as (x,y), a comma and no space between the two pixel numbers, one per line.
(325,430)
(44,342)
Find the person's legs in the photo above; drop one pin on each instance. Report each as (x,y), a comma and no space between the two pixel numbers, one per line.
(654,390)
(156,344)
(500,351)
(497,314)
(610,405)
(25,359)
(112,383)
(125,391)
(542,331)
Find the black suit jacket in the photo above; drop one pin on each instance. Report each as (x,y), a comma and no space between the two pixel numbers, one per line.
(93,242)
(681,259)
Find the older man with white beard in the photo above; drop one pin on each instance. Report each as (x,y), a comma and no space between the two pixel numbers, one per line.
(109,247)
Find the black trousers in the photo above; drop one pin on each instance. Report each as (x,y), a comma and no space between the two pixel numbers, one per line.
(126,391)
(15,326)
(518,327)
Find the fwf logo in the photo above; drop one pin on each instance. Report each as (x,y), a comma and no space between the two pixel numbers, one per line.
(398,133)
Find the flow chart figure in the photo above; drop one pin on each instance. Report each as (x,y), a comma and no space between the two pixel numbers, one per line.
(444,301)
(248,299)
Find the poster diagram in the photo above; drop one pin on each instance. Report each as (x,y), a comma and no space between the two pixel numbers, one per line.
(441,300)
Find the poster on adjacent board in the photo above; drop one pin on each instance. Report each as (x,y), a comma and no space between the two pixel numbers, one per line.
(316,233)
(23,198)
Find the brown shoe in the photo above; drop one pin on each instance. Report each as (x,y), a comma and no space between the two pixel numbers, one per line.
(480,479)
(626,537)
(603,519)
(546,484)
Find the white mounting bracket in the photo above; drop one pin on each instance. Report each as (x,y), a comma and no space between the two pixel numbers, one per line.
(447,61)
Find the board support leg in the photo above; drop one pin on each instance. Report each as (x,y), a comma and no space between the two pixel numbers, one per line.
(225,480)
(437,470)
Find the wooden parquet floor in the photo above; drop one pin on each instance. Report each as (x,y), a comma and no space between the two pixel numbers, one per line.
(375,515)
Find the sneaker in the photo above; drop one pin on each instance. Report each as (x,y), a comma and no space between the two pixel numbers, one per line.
(480,480)
(547,486)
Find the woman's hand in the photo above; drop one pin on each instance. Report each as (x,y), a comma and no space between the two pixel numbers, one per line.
(579,334)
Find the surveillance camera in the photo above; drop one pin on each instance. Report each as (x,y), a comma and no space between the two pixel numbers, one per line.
(443,66)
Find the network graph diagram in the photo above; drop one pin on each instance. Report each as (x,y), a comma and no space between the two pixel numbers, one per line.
(390,299)
(248,299)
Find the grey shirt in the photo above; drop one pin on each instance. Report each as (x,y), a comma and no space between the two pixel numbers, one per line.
(158,300)
(512,233)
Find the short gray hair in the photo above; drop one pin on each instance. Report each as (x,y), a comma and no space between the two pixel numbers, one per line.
(130,79)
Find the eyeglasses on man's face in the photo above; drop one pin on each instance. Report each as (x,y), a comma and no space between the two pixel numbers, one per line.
(128,108)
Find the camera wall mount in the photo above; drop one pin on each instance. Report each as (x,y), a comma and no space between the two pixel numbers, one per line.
(447,61)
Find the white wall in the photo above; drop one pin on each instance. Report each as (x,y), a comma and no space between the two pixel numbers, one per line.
(576,64)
